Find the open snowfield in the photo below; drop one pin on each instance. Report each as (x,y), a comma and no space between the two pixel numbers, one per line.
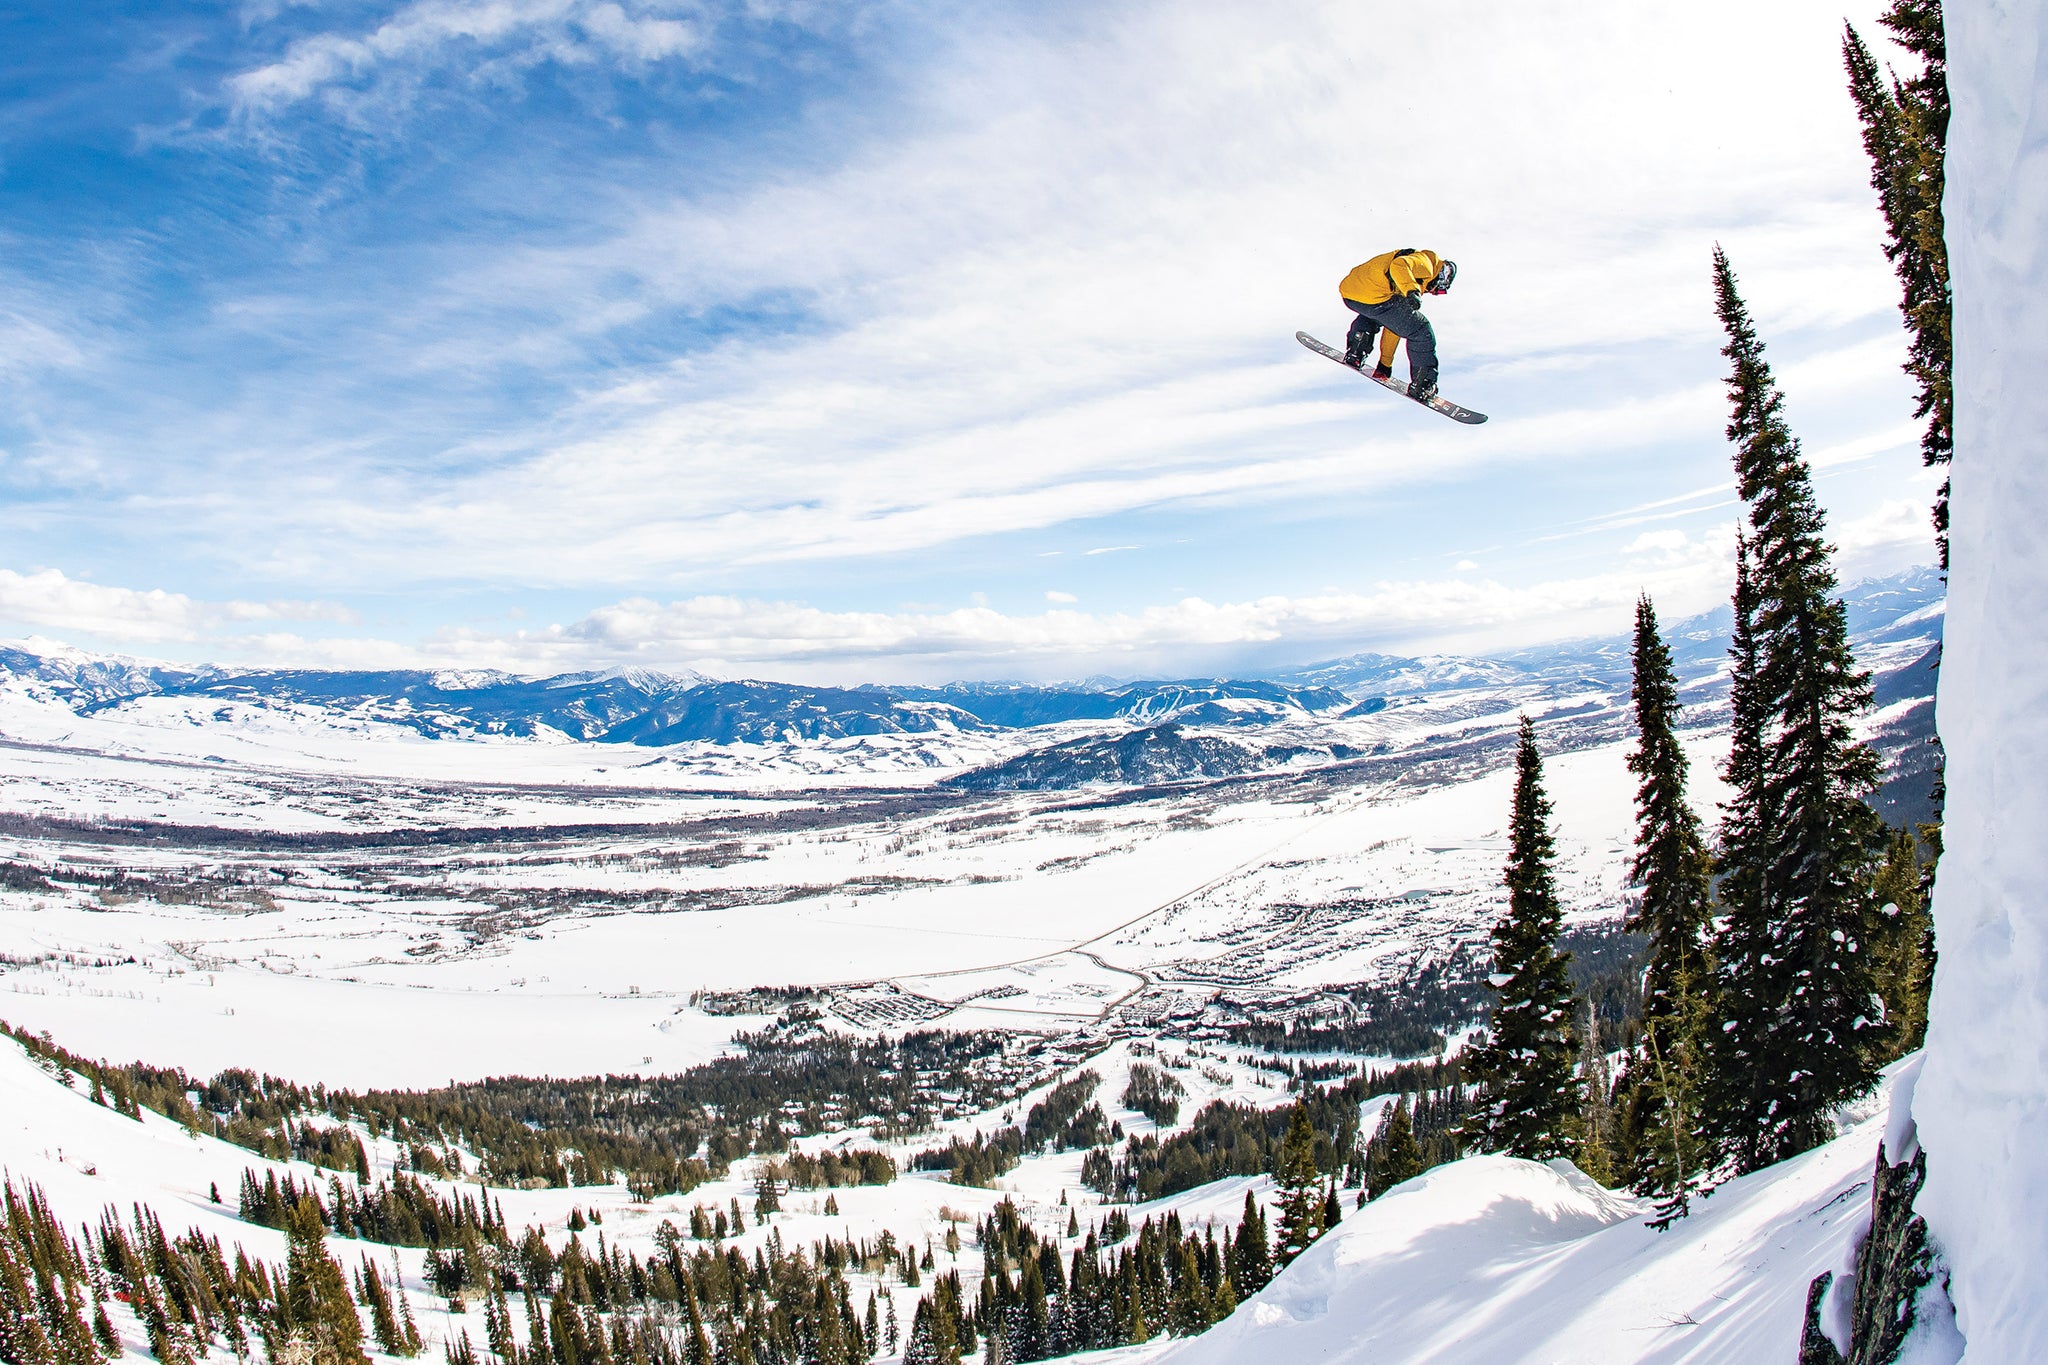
(581,951)
(262,868)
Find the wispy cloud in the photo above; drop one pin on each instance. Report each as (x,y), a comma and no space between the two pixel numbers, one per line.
(1685,571)
(47,598)
(735,635)
(480,41)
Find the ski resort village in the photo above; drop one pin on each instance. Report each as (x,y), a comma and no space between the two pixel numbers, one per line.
(703,684)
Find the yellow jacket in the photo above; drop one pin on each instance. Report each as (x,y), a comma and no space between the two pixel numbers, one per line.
(1384,276)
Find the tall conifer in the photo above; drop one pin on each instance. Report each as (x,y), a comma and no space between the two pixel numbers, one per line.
(1301,1202)
(1251,1257)
(1401,1155)
(1528,1096)
(1903,946)
(1670,1158)
(1795,985)
(1671,863)
(1905,133)
(317,1291)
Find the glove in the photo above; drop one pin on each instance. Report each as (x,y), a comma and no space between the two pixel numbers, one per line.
(1414,301)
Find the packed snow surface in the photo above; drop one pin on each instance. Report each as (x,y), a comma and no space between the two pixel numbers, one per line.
(1493,1260)
(1982,1102)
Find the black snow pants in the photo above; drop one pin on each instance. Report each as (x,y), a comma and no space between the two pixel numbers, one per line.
(1404,322)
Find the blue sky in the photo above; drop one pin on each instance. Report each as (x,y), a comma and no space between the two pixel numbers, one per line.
(902,340)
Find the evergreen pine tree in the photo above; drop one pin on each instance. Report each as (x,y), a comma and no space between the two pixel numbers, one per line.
(1905,133)
(537,1329)
(1251,1255)
(1796,988)
(1523,1063)
(317,1291)
(1301,1198)
(406,1325)
(1903,947)
(1744,854)
(21,1330)
(383,1321)
(1398,1156)
(1595,1154)
(1189,1313)
(1225,1298)
(1669,1154)
(1671,864)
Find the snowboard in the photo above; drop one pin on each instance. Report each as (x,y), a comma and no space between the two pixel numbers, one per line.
(1437,404)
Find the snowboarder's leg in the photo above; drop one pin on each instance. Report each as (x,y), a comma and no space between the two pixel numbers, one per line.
(1412,327)
(1359,342)
(1421,359)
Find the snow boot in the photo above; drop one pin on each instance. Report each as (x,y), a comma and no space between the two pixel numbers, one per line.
(1383,372)
(1422,390)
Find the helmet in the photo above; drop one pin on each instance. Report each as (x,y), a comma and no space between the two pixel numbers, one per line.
(1440,283)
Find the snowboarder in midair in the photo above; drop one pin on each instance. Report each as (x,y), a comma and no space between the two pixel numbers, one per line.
(1386,293)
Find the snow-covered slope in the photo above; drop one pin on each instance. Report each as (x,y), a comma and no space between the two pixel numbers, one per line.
(1983,1100)
(1492,1260)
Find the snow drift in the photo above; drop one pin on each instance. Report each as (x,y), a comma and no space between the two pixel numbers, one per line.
(1493,1259)
(1982,1101)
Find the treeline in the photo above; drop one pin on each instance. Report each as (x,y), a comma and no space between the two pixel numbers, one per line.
(1411,1016)
(1226,1139)
(1415,1014)
(978,1160)
(679,1307)
(1155,1093)
(660,1135)
(400,1211)
(1067,1119)
(831,1169)
(1035,1304)
(184,1293)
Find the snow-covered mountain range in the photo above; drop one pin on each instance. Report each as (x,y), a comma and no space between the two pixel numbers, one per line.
(1052,734)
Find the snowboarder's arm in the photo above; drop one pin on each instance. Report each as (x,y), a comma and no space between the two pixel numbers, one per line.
(1401,274)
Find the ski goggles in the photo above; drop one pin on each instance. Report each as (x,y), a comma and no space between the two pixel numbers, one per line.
(1440,283)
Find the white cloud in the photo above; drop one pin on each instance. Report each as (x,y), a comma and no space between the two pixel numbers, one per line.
(1467,565)
(1668,546)
(723,634)
(1055,595)
(48,598)
(465,35)
(1656,541)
